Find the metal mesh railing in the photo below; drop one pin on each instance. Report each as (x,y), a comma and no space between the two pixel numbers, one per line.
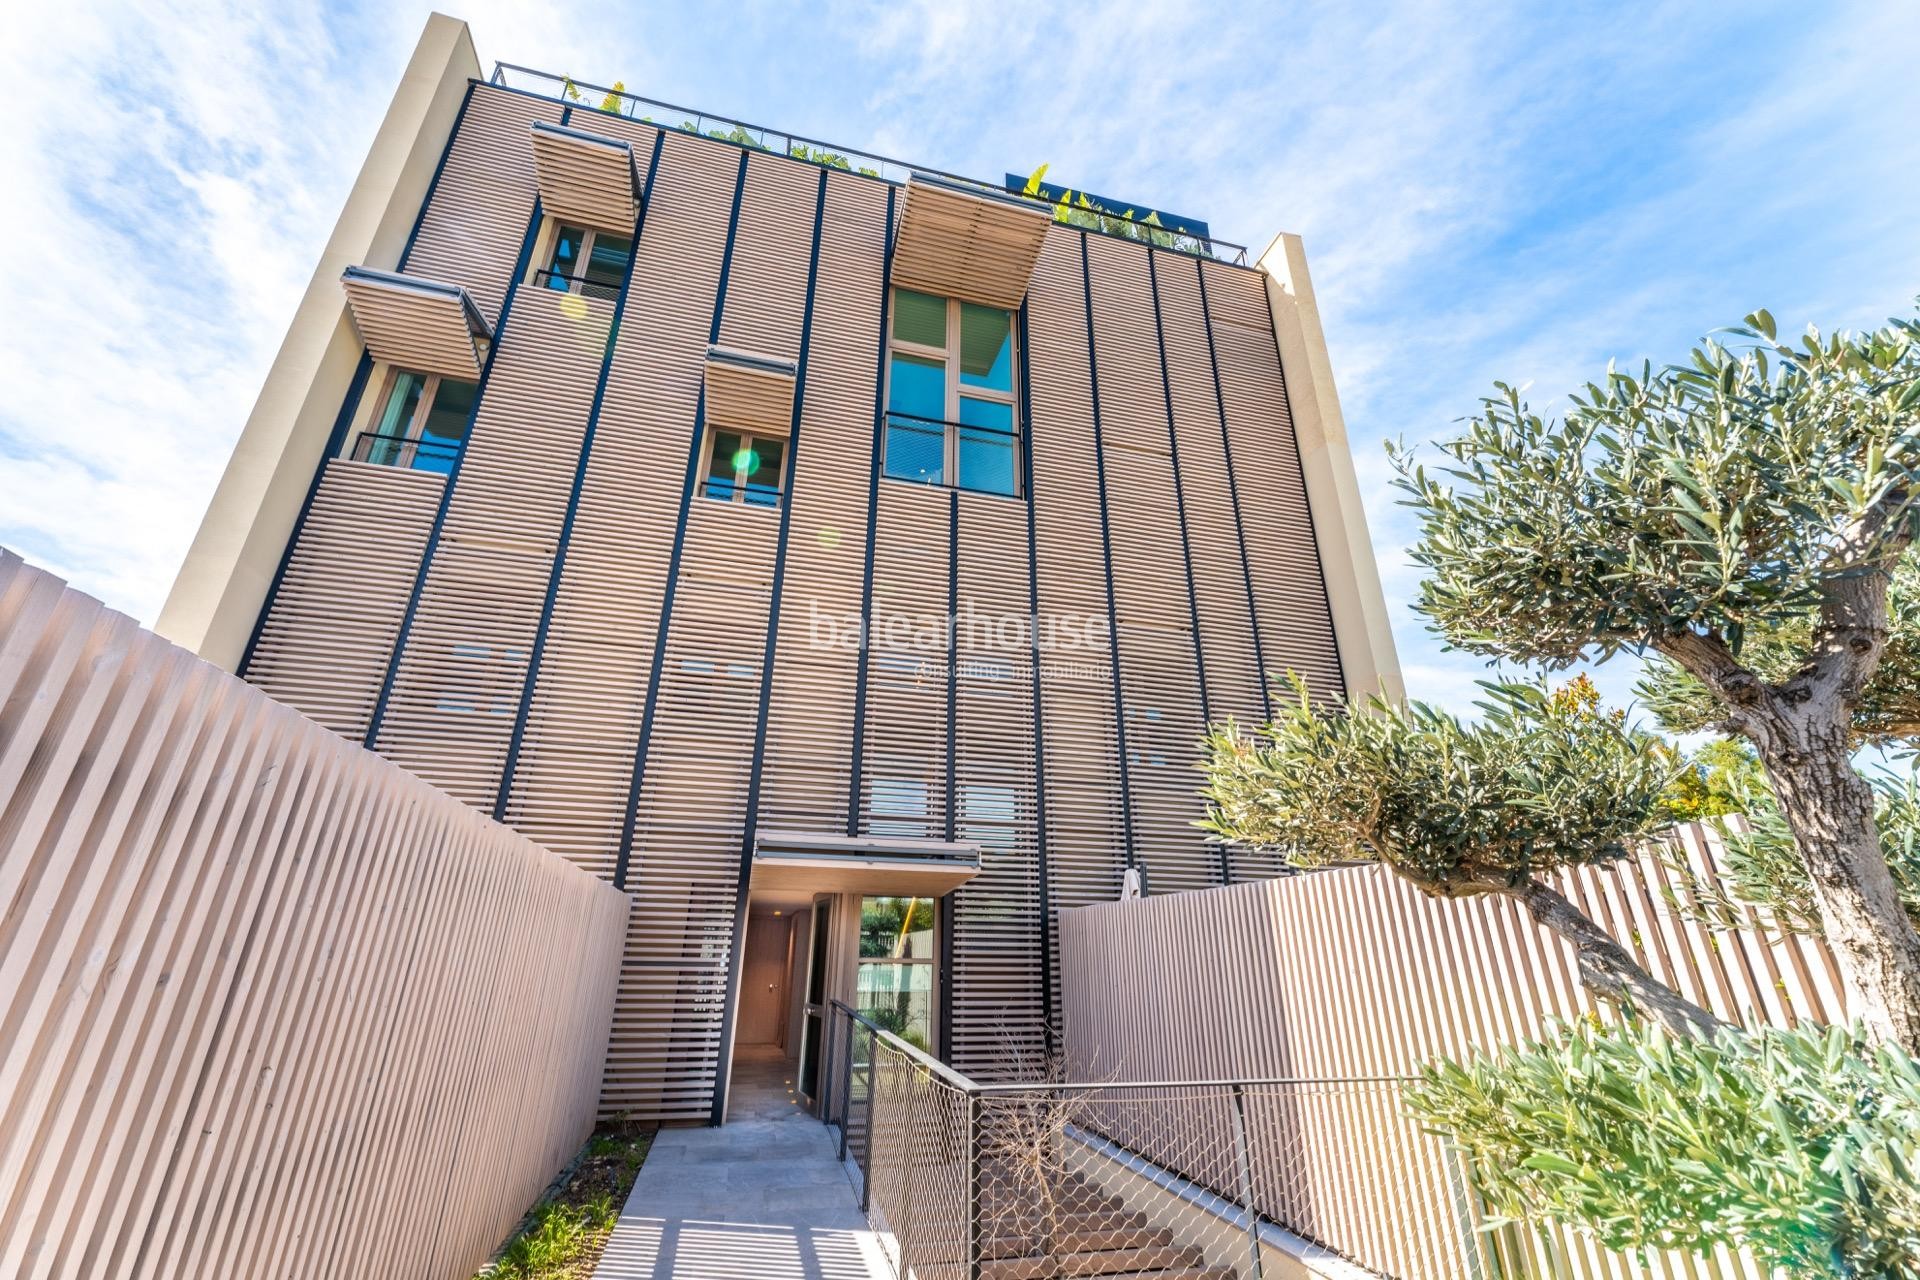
(1200,1181)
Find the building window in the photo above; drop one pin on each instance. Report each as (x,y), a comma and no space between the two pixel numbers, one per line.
(894,985)
(745,467)
(950,398)
(421,425)
(589,262)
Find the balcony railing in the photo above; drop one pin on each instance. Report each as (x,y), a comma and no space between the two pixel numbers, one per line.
(414,453)
(560,283)
(1240,1178)
(594,97)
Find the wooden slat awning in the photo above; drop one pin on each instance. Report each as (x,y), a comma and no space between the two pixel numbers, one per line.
(421,325)
(585,177)
(829,862)
(972,243)
(749,391)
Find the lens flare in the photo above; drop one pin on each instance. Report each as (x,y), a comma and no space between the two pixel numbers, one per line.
(746,460)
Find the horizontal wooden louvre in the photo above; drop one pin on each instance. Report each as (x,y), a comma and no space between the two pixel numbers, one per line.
(1159,669)
(670,808)
(584,177)
(1296,627)
(690,823)
(1219,579)
(325,644)
(960,243)
(472,230)
(583,723)
(749,392)
(457,687)
(1085,819)
(265,994)
(998,986)
(810,718)
(1353,973)
(416,324)
(904,790)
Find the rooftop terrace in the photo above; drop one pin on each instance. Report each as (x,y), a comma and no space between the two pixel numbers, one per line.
(594,97)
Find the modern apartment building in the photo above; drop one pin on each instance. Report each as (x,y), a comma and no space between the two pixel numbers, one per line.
(839,556)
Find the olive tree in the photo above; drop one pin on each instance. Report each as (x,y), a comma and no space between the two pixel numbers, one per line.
(1762,489)
(1541,782)
(1799,1145)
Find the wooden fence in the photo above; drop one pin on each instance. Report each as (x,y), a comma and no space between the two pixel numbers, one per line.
(1352,973)
(268,1004)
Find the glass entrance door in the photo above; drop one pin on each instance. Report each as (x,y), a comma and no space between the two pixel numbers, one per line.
(813,1021)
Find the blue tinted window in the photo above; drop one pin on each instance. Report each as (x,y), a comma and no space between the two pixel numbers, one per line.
(916,450)
(986,347)
(986,461)
(986,413)
(566,257)
(918,386)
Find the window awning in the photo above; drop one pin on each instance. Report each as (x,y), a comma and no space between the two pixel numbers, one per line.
(749,391)
(585,178)
(417,324)
(972,243)
(826,862)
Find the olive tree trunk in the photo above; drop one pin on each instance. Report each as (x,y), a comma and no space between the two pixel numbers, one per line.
(1802,729)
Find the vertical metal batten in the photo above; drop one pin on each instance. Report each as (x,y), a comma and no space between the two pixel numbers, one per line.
(453,479)
(638,777)
(1039,714)
(1106,561)
(1233,495)
(859,745)
(1180,507)
(950,902)
(554,576)
(350,407)
(744,884)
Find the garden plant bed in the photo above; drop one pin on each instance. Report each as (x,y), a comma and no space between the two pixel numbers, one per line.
(562,1236)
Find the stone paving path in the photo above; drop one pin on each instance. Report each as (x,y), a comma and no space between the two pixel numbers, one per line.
(761,1198)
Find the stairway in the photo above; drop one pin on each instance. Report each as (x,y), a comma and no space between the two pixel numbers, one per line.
(1086,1233)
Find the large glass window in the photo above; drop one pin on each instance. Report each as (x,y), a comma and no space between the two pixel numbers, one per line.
(895,982)
(950,395)
(421,423)
(586,261)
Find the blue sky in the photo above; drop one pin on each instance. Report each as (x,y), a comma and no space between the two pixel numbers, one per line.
(1513,191)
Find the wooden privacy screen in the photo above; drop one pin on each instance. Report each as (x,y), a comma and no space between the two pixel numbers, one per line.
(1353,973)
(268,1004)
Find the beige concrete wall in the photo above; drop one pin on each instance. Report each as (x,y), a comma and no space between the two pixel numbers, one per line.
(1360,620)
(230,566)
(1352,973)
(271,1005)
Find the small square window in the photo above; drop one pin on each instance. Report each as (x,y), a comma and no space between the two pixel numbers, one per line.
(421,424)
(593,263)
(742,467)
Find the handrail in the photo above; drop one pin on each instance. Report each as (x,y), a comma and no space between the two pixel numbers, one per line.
(421,446)
(834,156)
(920,1056)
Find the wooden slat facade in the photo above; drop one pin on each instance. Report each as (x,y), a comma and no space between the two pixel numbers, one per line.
(265,994)
(588,638)
(1353,973)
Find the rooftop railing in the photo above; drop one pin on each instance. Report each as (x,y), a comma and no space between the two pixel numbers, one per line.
(593,97)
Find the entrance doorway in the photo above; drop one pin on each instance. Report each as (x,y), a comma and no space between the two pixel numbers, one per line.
(834,917)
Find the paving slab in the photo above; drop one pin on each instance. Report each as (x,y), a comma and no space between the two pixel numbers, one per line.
(763,1197)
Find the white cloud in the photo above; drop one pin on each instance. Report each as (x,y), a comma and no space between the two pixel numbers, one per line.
(1486,191)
